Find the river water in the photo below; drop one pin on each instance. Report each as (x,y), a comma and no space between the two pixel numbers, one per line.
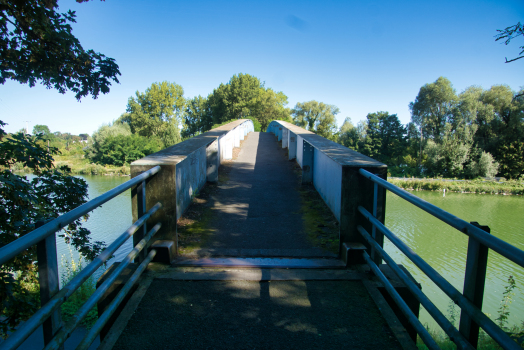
(442,247)
(445,248)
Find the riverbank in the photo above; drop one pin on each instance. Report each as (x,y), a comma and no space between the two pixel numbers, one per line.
(461,186)
(81,166)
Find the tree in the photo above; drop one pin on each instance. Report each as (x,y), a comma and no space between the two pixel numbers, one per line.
(197,117)
(24,202)
(433,108)
(348,135)
(41,130)
(509,34)
(317,117)
(157,112)
(244,96)
(385,138)
(36,45)
(121,149)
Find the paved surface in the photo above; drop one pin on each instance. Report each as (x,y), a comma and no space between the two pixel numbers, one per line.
(256,315)
(259,206)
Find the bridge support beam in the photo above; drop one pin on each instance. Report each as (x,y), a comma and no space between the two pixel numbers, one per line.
(357,190)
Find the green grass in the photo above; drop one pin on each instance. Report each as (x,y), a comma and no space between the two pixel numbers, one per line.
(468,186)
(320,224)
(193,227)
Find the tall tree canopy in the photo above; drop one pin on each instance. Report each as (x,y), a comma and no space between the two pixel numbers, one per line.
(157,112)
(317,117)
(36,45)
(245,96)
(433,108)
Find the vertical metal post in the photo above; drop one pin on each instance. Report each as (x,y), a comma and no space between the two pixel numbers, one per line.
(141,209)
(474,280)
(49,281)
(377,235)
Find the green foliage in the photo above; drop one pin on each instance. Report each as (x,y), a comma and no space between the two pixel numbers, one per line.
(24,202)
(507,298)
(37,45)
(197,118)
(121,150)
(70,269)
(244,96)
(476,186)
(157,112)
(479,133)
(433,108)
(317,117)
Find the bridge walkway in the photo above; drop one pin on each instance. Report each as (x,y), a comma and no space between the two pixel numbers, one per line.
(257,283)
(257,210)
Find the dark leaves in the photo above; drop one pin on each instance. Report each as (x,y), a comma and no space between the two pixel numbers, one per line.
(36,44)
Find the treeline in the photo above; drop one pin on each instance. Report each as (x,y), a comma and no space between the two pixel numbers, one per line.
(161,117)
(475,133)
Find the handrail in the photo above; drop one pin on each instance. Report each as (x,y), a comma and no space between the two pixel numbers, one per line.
(415,290)
(29,326)
(66,331)
(476,234)
(14,248)
(503,248)
(43,234)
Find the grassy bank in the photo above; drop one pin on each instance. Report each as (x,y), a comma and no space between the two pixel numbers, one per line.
(463,186)
(82,166)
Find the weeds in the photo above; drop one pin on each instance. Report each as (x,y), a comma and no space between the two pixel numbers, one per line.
(72,268)
(485,341)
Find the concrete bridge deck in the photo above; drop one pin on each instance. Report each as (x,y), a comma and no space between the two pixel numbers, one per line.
(257,211)
(260,305)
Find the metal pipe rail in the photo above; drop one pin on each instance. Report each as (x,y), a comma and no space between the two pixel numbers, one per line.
(13,249)
(421,297)
(469,307)
(44,236)
(503,248)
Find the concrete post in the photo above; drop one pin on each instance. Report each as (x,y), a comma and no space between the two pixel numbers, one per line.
(213,161)
(279,134)
(357,190)
(307,162)
(159,188)
(292,147)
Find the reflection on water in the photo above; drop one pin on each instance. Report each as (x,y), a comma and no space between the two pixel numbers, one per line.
(445,248)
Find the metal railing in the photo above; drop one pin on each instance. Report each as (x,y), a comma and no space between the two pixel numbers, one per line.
(56,333)
(470,301)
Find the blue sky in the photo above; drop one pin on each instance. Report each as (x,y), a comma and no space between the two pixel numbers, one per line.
(362,56)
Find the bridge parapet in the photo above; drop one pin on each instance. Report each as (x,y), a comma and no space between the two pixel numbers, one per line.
(334,171)
(185,168)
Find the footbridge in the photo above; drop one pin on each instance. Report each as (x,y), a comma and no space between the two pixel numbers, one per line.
(259,273)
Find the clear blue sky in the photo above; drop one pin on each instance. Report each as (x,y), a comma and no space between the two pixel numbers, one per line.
(362,56)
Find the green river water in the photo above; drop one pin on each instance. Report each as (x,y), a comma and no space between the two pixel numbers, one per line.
(442,247)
